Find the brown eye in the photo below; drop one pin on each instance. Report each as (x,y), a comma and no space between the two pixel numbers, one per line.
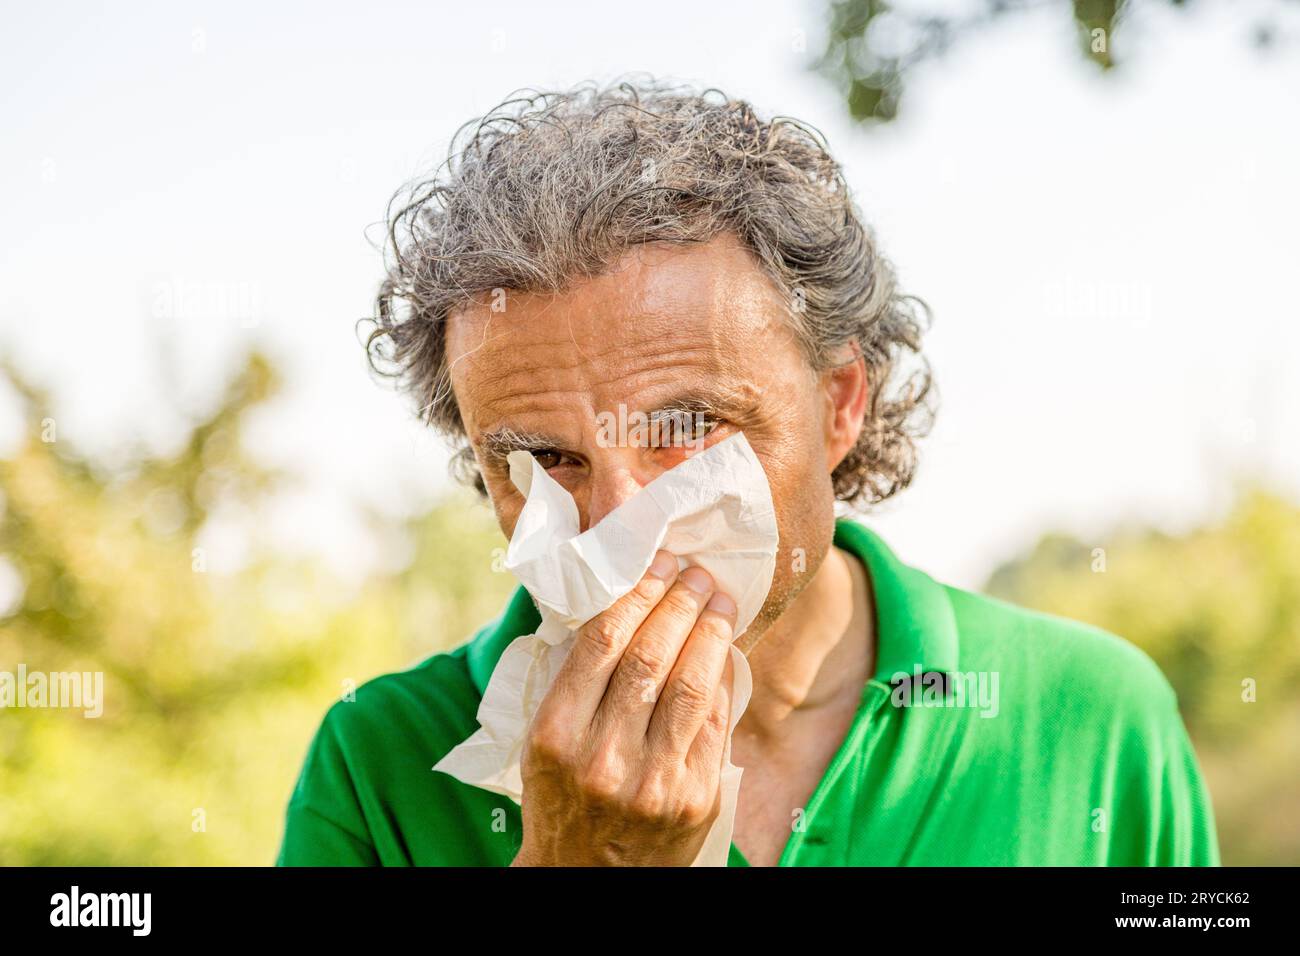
(691,429)
(700,426)
(548,459)
(674,429)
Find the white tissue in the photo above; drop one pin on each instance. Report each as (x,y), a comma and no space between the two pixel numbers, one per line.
(713,510)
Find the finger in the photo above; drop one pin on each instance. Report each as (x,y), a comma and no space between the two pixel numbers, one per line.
(634,687)
(710,744)
(691,689)
(598,645)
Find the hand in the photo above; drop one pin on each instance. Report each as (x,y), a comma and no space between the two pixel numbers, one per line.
(622,762)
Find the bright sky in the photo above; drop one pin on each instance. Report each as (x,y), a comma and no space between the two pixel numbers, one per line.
(1111,261)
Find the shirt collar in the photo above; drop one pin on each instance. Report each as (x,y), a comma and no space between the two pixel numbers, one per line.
(915,625)
(916,628)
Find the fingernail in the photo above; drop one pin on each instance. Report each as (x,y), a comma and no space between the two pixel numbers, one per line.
(698,580)
(664,566)
(722,604)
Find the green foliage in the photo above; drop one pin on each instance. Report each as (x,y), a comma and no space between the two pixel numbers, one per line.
(873,45)
(213,682)
(1219,611)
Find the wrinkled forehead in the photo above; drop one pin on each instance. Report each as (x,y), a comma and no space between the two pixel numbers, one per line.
(665,319)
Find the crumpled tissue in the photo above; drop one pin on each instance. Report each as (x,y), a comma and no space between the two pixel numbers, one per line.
(713,510)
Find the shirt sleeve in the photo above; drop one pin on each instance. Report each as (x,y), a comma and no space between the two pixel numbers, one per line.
(1187,835)
(324,823)
(1160,807)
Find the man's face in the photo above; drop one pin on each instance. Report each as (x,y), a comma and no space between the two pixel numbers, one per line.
(670,329)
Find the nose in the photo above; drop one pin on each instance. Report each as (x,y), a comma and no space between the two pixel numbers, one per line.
(611,483)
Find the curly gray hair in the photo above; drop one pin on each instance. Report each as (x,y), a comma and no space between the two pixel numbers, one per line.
(553,187)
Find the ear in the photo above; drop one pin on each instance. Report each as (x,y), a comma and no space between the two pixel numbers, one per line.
(846,389)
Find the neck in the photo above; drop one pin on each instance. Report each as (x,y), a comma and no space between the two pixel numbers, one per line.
(818,654)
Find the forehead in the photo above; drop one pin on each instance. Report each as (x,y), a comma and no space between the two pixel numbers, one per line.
(666,317)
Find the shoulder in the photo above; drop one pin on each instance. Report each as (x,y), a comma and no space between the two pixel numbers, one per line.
(1092,718)
(371,737)
(1071,663)
(433,702)
(358,772)
(368,741)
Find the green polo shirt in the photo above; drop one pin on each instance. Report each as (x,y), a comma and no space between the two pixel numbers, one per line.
(989,735)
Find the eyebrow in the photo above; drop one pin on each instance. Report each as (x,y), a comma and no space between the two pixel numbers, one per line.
(692,403)
(498,443)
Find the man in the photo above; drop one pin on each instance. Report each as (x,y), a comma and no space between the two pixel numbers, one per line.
(674,254)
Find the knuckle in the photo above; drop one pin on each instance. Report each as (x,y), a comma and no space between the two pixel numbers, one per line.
(646,660)
(604,635)
(601,780)
(682,605)
(717,722)
(715,627)
(647,592)
(689,694)
(650,803)
(548,742)
(701,809)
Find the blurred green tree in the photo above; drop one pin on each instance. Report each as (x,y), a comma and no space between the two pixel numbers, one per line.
(873,45)
(214,680)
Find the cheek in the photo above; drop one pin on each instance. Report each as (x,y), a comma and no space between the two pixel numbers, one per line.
(507,503)
(805,509)
(804,500)
(794,459)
